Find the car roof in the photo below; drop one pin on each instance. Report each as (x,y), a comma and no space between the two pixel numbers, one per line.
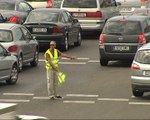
(8,26)
(145,47)
(49,9)
(129,18)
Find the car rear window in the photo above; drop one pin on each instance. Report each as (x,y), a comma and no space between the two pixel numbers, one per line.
(5,36)
(46,16)
(122,28)
(143,56)
(80,4)
(7,6)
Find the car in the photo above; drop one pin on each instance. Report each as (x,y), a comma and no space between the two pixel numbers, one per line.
(92,14)
(128,6)
(8,66)
(140,71)
(15,11)
(122,36)
(18,40)
(141,11)
(54,24)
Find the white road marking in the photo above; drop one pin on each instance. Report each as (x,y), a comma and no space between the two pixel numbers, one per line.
(94,61)
(113,99)
(139,103)
(41,98)
(73,63)
(81,95)
(84,102)
(77,58)
(21,94)
(13,100)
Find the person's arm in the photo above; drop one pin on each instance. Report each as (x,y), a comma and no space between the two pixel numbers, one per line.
(66,56)
(50,62)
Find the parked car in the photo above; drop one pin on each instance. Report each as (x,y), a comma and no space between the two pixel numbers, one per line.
(140,71)
(141,11)
(8,66)
(128,6)
(122,36)
(54,24)
(18,40)
(15,11)
(92,14)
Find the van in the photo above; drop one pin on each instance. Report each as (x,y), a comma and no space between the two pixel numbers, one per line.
(92,14)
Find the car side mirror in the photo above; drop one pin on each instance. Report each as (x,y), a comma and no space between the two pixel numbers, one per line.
(34,37)
(6,53)
(75,20)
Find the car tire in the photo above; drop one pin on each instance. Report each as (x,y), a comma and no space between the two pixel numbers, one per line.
(66,44)
(79,39)
(137,93)
(35,60)
(103,62)
(14,75)
(20,63)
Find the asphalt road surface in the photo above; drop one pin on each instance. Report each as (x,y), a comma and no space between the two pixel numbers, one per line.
(90,91)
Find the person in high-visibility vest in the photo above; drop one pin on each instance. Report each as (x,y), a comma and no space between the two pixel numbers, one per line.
(51,64)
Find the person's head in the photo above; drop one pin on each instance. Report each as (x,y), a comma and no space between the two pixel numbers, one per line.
(52,44)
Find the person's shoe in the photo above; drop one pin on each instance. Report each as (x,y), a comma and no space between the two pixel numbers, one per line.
(52,97)
(59,97)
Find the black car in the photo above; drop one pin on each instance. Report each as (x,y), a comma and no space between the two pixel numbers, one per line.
(122,36)
(54,24)
(15,11)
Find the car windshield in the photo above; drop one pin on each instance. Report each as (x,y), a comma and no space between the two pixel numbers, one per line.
(80,3)
(7,6)
(122,28)
(5,36)
(46,16)
(143,56)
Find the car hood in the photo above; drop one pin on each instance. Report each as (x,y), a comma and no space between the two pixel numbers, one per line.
(9,13)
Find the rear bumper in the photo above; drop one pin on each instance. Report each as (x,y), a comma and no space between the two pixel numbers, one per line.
(140,83)
(45,39)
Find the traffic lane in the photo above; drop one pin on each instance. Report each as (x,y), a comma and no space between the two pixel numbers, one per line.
(90,79)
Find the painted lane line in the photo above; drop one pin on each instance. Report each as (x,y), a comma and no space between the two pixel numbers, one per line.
(73,63)
(41,98)
(77,58)
(94,61)
(13,100)
(113,99)
(139,103)
(82,102)
(21,94)
(81,95)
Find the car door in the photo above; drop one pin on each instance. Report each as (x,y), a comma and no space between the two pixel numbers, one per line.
(5,64)
(22,43)
(23,8)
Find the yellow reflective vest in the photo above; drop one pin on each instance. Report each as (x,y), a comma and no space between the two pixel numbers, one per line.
(54,59)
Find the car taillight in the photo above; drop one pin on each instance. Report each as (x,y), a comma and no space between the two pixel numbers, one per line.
(101,39)
(142,39)
(13,48)
(135,67)
(49,3)
(57,29)
(14,19)
(97,14)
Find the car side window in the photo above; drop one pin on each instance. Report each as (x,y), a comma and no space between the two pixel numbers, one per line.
(18,34)
(1,51)
(66,18)
(107,3)
(27,35)
(147,28)
(62,19)
(24,7)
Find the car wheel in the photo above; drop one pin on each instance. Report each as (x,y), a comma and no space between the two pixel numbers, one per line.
(20,63)
(79,39)
(137,93)
(35,60)
(103,62)
(14,75)
(66,44)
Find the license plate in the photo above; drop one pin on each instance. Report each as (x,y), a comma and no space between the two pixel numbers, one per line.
(146,73)
(39,30)
(121,48)
(79,14)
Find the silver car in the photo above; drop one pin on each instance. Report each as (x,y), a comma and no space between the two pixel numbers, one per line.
(18,40)
(140,71)
(8,66)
